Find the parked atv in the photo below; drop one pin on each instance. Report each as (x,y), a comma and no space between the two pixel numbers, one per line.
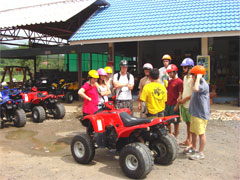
(68,89)
(140,141)
(10,110)
(40,103)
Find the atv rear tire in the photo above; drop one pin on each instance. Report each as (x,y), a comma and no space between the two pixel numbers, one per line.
(82,148)
(164,149)
(59,111)
(38,114)
(175,143)
(136,160)
(20,118)
(69,97)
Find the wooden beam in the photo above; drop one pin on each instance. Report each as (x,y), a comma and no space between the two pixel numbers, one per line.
(204,46)
(20,53)
(79,70)
(58,29)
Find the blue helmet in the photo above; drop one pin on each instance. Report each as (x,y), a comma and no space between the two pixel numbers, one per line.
(187,62)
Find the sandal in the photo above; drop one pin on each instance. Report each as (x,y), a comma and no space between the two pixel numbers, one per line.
(185,144)
(197,156)
(189,150)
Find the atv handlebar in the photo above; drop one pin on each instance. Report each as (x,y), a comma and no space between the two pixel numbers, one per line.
(107,105)
(170,119)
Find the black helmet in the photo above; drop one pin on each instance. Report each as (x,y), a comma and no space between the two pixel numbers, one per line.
(123,63)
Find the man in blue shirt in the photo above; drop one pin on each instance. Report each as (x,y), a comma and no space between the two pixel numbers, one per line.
(199,109)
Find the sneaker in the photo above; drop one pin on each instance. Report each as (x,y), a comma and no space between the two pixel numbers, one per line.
(197,156)
(189,151)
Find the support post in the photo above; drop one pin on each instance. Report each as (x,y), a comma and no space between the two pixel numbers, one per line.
(35,67)
(204,47)
(67,62)
(139,57)
(111,55)
(79,69)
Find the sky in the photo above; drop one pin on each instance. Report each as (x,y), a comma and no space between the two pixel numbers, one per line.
(12,4)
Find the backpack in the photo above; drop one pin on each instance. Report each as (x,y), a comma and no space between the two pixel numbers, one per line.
(118,77)
(128,76)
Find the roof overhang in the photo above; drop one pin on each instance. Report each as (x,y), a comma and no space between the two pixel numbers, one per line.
(43,13)
(159,37)
(31,53)
(49,24)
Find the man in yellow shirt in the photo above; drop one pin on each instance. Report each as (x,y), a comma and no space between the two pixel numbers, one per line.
(155,95)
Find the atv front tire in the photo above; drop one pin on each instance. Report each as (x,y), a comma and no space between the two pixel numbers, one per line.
(59,111)
(165,150)
(136,160)
(69,97)
(38,114)
(82,148)
(20,118)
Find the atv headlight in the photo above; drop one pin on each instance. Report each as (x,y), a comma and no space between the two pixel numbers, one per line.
(65,87)
(53,87)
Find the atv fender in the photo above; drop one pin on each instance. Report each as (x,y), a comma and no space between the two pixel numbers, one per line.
(44,93)
(97,123)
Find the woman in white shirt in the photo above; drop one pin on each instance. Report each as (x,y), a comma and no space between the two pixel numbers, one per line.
(103,89)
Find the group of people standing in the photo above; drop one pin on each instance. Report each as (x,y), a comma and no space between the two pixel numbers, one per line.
(161,93)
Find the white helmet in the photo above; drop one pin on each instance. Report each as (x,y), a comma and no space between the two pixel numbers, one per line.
(147,66)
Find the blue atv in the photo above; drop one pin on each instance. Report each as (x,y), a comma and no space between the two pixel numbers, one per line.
(10,108)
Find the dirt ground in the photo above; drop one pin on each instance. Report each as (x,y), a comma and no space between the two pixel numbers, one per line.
(42,151)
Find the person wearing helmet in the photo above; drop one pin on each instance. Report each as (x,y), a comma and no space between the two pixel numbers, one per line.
(199,109)
(34,89)
(155,95)
(89,93)
(184,98)
(103,90)
(145,80)
(124,83)
(108,80)
(175,87)
(163,75)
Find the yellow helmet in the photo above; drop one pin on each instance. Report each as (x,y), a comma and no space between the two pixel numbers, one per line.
(93,74)
(108,69)
(166,57)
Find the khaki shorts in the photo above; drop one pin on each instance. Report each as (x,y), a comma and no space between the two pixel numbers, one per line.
(198,126)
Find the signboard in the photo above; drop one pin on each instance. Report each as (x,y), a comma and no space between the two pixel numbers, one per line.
(205,61)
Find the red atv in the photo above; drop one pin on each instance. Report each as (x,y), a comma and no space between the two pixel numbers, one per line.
(140,141)
(40,103)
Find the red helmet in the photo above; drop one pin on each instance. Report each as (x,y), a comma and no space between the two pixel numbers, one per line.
(171,68)
(34,89)
(198,70)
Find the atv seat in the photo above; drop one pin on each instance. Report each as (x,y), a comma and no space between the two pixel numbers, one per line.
(129,120)
(41,95)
